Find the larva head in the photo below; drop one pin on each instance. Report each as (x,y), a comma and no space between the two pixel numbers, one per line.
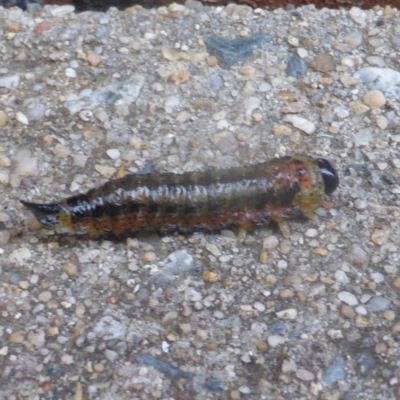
(46,214)
(329,175)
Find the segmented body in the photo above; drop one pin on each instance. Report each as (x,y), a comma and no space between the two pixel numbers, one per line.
(214,199)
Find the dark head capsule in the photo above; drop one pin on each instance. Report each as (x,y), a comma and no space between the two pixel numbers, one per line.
(329,175)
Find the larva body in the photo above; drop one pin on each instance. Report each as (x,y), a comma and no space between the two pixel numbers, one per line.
(243,197)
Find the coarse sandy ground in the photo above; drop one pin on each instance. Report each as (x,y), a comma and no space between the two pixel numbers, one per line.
(202,316)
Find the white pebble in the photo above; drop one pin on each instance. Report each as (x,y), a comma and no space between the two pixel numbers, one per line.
(259,306)
(348,298)
(361,310)
(114,154)
(289,313)
(22,118)
(70,73)
(341,276)
(276,340)
(357,15)
(300,123)
(311,232)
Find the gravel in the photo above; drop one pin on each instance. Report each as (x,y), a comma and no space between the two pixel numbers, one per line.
(203,316)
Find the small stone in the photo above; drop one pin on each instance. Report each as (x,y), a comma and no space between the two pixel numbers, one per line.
(225,141)
(380,235)
(263,255)
(363,137)
(4,351)
(3,119)
(244,390)
(17,337)
(374,99)
(335,372)
(13,27)
(358,16)
(311,233)
(381,122)
(281,130)
(396,283)
(37,338)
(289,314)
(259,306)
(105,170)
(395,328)
(301,123)
(70,73)
(62,11)
(42,27)
(270,242)
(323,63)
(378,304)
(114,154)
(179,77)
(276,340)
(305,375)
(9,82)
(21,118)
(348,298)
(45,296)
(93,59)
(296,66)
(230,51)
(70,269)
(353,39)
(358,108)
(149,257)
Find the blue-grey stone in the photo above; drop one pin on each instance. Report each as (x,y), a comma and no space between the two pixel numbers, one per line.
(365,363)
(214,82)
(378,304)
(296,66)
(230,51)
(335,372)
(277,328)
(387,80)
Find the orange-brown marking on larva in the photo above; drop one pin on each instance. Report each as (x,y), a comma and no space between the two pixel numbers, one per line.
(244,197)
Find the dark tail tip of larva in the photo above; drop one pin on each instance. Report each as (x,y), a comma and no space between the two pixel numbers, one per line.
(46,214)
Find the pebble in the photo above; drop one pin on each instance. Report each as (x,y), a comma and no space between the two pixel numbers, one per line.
(378,304)
(42,27)
(386,80)
(335,372)
(22,118)
(108,328)
(348,298)
(9,82)
(270,242)
(281,130)
(289,314)
(353,39)
(114,154)
(230,51)
(380,235)
(300,123)
(358,15)
(358,108)
(323,63)
(70,73)
(93,59)
(305,375)
(3,119)
(276,340)
(45,296)
(296,66)
(62,11)
(374,99)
